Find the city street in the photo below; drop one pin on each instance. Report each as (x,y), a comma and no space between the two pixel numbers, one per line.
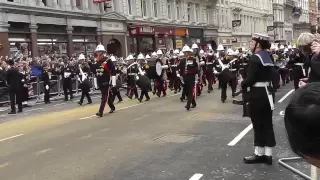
(155,140)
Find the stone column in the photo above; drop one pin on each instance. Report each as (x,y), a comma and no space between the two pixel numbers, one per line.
(85,5)
(74,5)
(70,42)
(34,40)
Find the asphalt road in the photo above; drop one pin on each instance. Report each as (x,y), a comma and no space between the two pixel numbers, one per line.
(155,140)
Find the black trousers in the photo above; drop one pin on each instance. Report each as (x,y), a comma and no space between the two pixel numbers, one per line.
(189,90)
(144,92)
(15,97)
(284,72)
(224,85)
(107,97)
(67,88)
(261,118)
(297,75)
(210,80)
(87,94)
(116,93)
(46,93)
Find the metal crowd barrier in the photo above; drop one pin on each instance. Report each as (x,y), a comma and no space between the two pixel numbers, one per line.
(313,176)
(36,88)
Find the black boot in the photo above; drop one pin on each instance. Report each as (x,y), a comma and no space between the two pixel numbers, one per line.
(112,111)
(80,103)
(254,159)
(99,114)
(187,107)
(268,160)
(193,105)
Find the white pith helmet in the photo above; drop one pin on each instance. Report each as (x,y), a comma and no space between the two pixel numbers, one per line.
(130,57)
(186,48)
(81,56)
(100,48)
(148,57)
(140,56)
(220,48)
(181,54)
(282,47)
(195,46)
(159,52)
(176,51)
(113,59)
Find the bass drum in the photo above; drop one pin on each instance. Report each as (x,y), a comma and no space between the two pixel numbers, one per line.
(152,72)
(143,82)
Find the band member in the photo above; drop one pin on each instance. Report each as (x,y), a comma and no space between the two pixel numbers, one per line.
(180,75)
(106,79)
(132,72)
(143,81)
(25,78)
(116,90)
(14,82)
(190,68)
(260,99)
(46,77)
(83,77)
(174,82)
(162,80)
(67,75)
(210,63)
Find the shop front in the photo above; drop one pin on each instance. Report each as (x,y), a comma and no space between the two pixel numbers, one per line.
(164,38)
(142,39)
(226,42)
(84,40)
(210,38)
(195,35)
(179,38)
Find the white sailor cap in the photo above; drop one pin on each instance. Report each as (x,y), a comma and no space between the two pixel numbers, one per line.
(260,36)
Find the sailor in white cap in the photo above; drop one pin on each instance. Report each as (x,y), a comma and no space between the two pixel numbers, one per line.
(161,82)
(105,74)
(260,103)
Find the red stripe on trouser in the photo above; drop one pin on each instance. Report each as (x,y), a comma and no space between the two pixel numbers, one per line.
(105,99)
(165,86)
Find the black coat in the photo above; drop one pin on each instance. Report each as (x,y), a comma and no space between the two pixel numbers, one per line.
(14,79)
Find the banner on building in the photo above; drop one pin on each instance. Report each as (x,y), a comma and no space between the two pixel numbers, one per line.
(100,1)
(236,23)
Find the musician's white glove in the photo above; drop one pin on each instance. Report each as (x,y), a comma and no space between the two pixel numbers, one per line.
(47,87)
(178,75)
(301,84)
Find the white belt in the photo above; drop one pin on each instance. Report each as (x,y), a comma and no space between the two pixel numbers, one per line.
(244,64)
(303,70)
(173,65)
(218,66)
(232,69)
(132,74)
(209,63)
(265,85)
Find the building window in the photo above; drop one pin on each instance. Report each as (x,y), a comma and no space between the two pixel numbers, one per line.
(189,12)
(208,13)
(155,8)
(79,4)
(169,10)
(144,8)
(129,7)
(197,12)
(178,11)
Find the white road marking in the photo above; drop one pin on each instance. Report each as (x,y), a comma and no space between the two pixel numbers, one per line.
(33,110)
(88,117)
(4,165)
(285,96)
(43,151)
(11,137)
(240,136)
(196,177)
(59,104)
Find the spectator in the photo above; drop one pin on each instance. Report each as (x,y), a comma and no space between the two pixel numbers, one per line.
(302,122)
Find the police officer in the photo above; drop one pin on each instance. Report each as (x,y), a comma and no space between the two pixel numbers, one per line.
(106,79)
(260,98)
(190,68)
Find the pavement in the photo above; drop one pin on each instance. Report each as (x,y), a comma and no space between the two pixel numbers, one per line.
(155,140)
